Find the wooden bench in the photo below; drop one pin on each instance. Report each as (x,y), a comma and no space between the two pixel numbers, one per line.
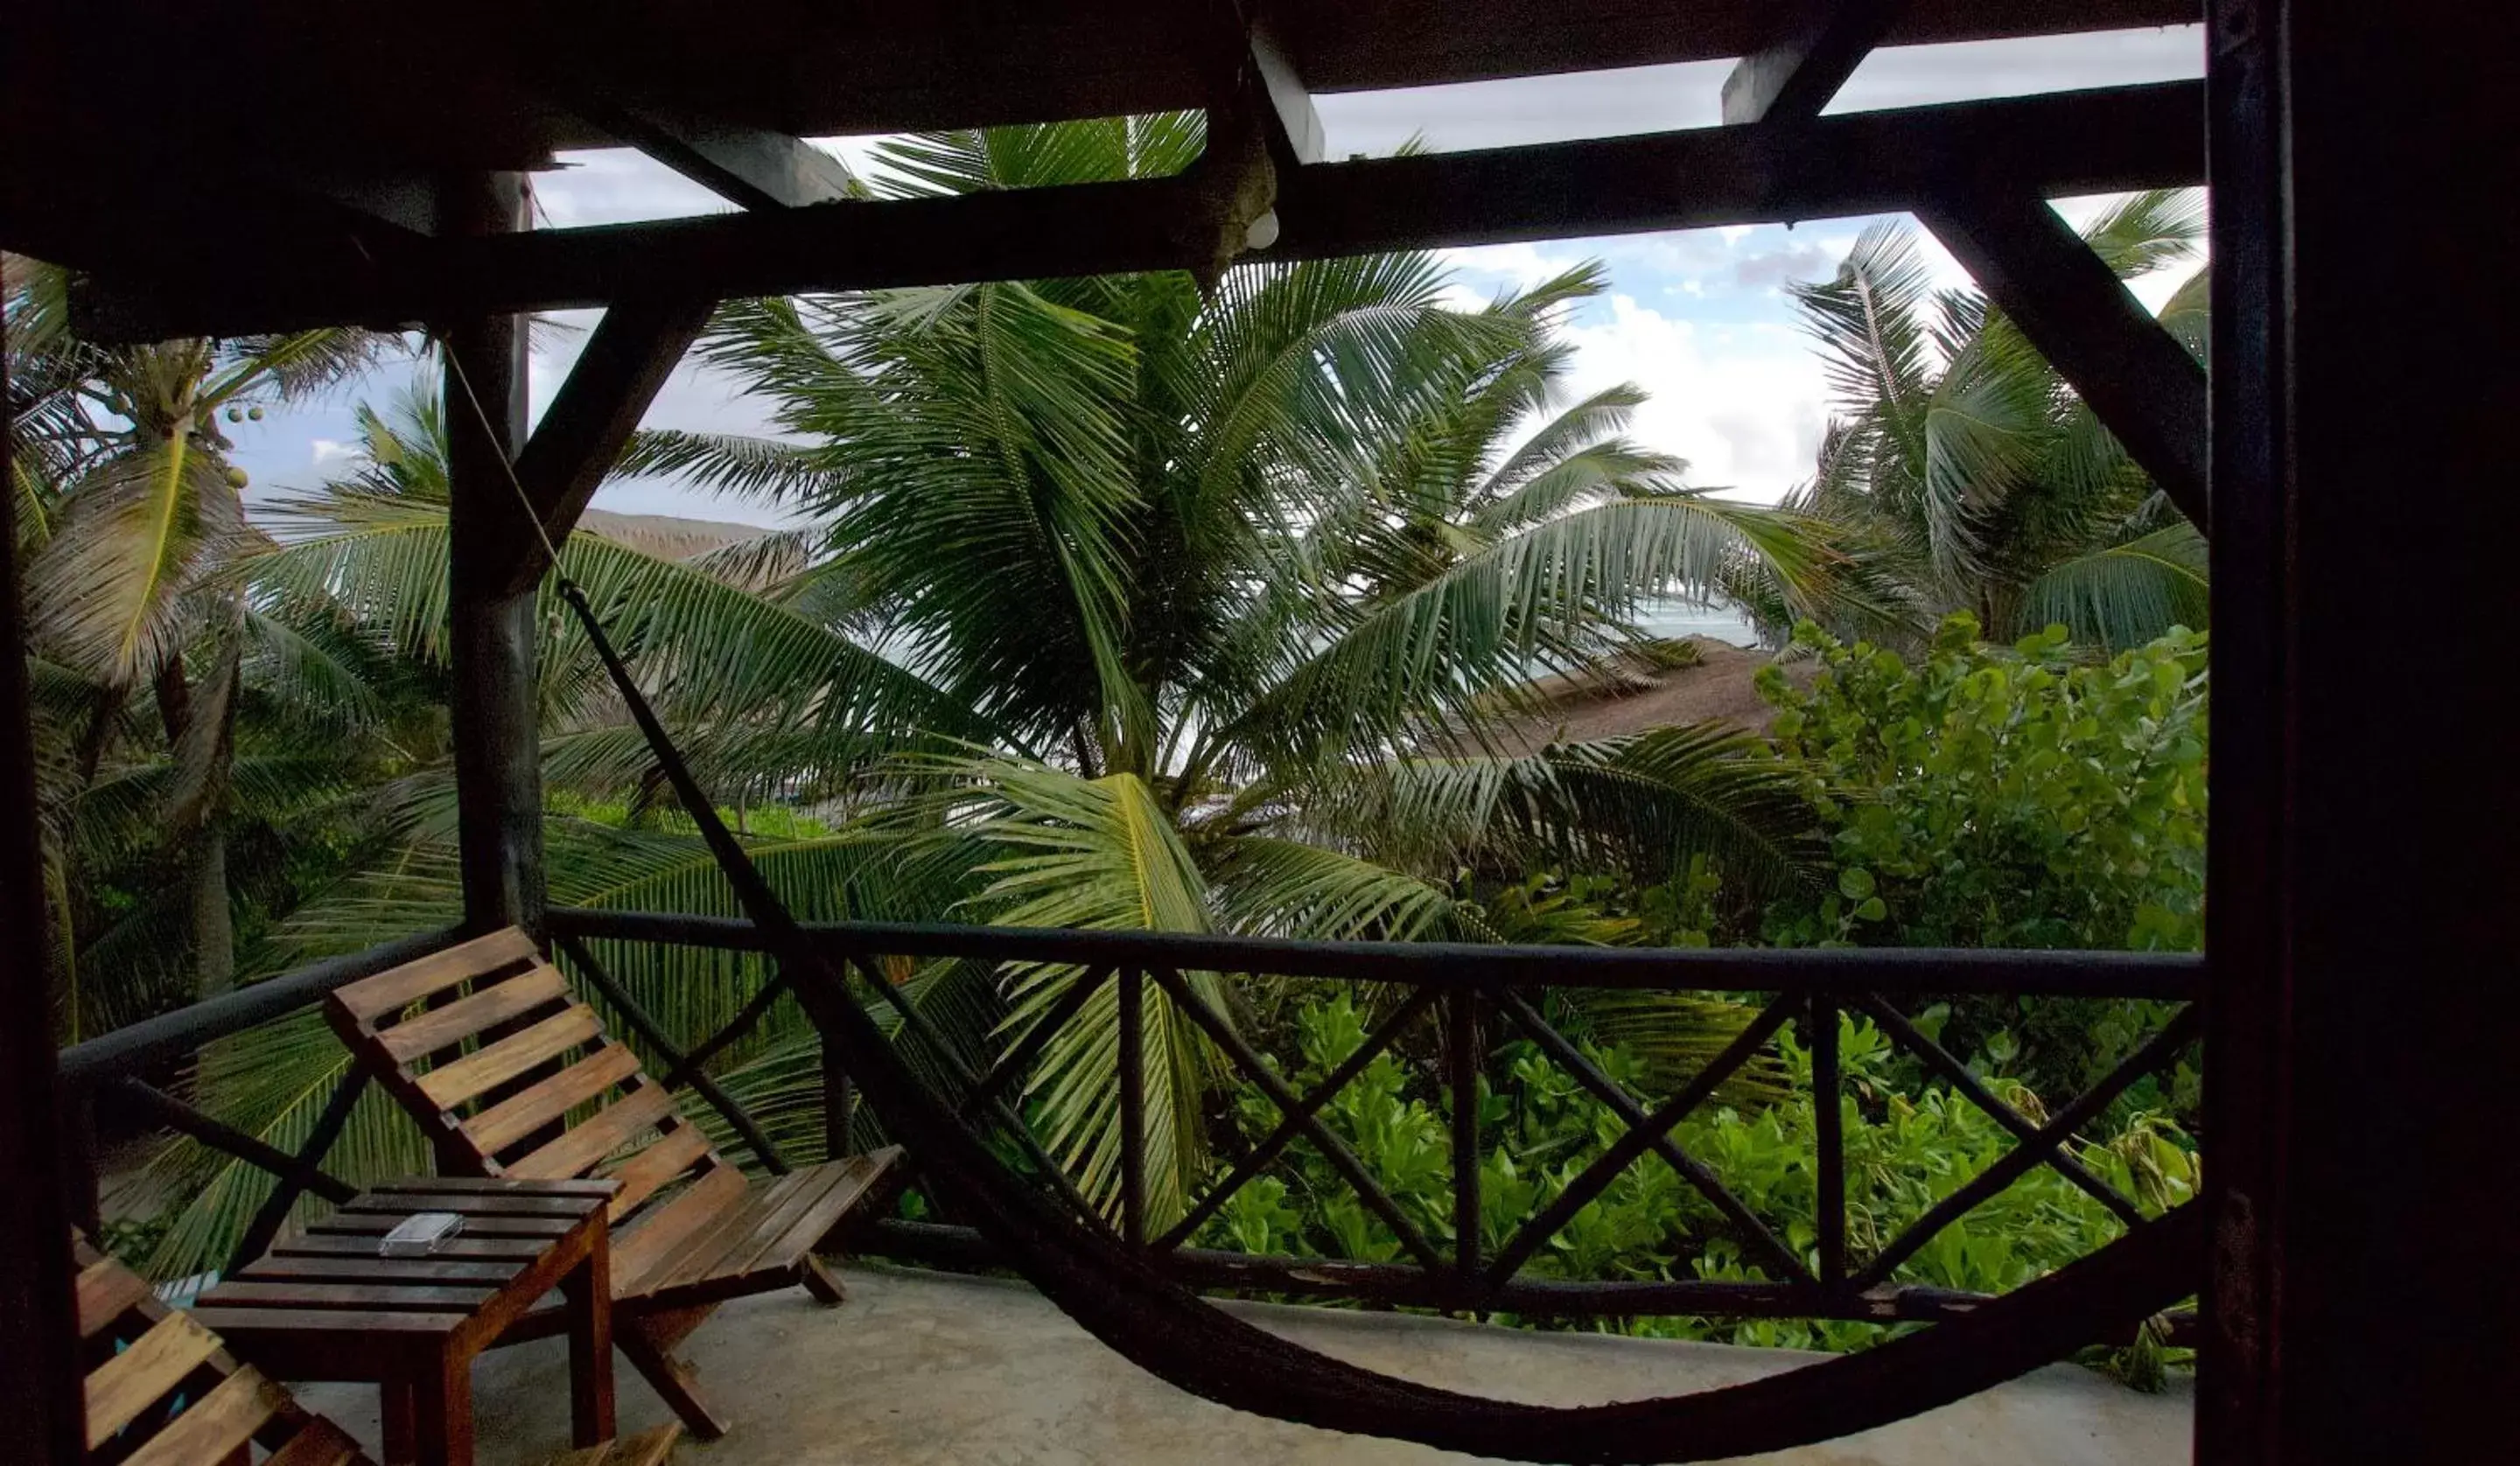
(512,1075)
(163,1391)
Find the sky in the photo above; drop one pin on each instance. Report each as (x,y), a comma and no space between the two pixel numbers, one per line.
(1699,319)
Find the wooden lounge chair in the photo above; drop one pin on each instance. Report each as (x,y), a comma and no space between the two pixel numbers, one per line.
(163,1390)
(511,1075)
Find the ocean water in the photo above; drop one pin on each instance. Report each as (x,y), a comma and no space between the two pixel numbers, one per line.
(1698,619)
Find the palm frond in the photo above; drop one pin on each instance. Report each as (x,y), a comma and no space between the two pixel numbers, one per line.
(1291,888)
(1645,804)
(1098,855)
(2127,594)
(1548,596)
(135,534)
(748,466)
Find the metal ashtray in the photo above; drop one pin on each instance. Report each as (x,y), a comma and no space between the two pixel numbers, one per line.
(420,1234)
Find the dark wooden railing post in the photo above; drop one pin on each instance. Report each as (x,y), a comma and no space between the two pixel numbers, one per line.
(1461,1078)
(1132,988)
(1828,1118)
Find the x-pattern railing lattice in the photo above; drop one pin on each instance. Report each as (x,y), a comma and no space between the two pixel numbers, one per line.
(1836,1275)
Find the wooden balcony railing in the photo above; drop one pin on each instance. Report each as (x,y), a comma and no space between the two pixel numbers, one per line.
(1474,994)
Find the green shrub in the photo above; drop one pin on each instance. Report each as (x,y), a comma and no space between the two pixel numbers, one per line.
(2005,798)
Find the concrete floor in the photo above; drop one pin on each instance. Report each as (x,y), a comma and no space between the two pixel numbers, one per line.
(929,1370)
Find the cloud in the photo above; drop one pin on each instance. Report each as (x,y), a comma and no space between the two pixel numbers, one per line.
(617,186)
(327,453)
(1522,266)
(1803,260)
(1745,405)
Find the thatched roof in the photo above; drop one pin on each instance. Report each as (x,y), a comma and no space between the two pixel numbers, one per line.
(671,536)
(1633,696)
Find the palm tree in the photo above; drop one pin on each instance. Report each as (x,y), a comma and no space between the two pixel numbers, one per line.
(1210,570)
(131,516)
(1962,473)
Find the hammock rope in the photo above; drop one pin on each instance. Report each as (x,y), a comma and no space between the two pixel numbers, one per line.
(1120,1296)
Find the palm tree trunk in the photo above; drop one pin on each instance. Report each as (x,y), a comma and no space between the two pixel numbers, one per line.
(174,701)
(213,924)
(99,734)
(204,845)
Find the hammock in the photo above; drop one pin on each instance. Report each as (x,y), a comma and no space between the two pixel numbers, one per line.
(1119,1296)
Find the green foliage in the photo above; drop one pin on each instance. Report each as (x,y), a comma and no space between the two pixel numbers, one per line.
(1909,1145)
(172,836)
(1987,797)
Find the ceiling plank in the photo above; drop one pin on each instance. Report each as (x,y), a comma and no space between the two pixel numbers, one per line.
(1793,77)
(1833,167)
(2138,380)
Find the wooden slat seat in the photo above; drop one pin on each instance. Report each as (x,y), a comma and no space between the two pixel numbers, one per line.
(514,1076)
(162,1389)
(756,1244)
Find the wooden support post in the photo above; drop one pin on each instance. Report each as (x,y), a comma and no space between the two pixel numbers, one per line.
(41,1388)
(497,736)
(2357,931)
(496,551)
(80,1195)
(1794,75)
(2141,382)
(2245,1030)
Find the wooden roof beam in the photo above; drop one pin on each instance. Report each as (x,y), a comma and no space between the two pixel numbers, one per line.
(1832,167)
(1793,77)
(2138,380)
(607,390)
(751,167)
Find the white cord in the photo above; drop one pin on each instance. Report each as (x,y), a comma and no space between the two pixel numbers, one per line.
(524,501)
